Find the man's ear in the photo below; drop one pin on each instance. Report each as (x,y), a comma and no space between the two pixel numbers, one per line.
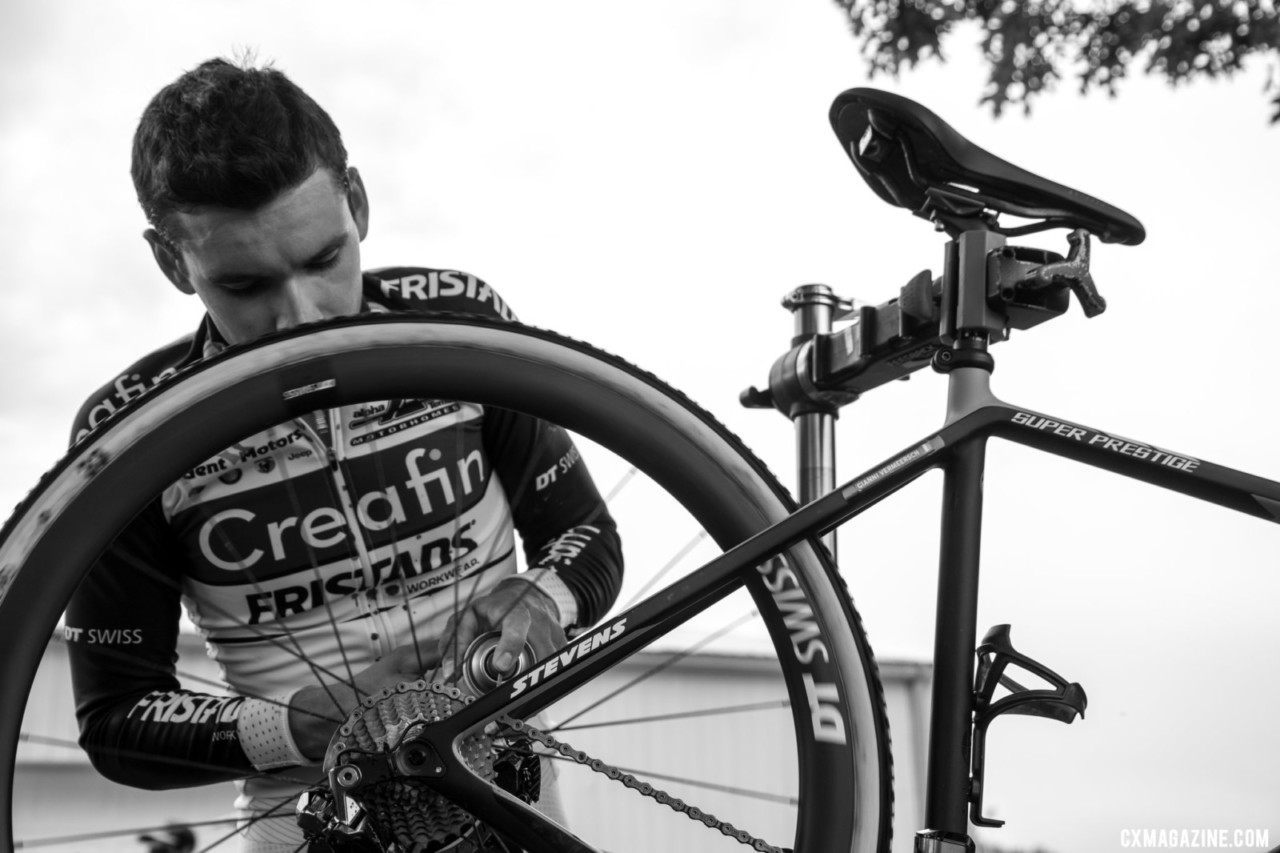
(358,201)
(169,260)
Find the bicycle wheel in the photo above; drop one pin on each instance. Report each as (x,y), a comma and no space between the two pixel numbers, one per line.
(839,776)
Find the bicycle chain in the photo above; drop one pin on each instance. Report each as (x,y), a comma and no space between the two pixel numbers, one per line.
(385,717)
(644,788)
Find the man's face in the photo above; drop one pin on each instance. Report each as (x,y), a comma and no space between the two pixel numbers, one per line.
(292,261)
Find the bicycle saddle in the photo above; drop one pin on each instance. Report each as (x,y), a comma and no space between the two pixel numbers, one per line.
(913,159)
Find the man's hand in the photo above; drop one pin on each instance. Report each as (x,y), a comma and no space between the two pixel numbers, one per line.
(521,611)
(316,712)
(517,608)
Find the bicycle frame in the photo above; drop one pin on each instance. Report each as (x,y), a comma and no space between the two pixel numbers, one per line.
(953,796)
(958,448)
(974,416)
(958,716)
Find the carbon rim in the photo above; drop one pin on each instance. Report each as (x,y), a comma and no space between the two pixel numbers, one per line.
(845,804)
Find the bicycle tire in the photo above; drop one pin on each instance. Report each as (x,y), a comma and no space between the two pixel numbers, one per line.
(845,789)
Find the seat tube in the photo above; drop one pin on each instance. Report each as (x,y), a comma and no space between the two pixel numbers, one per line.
(951,717)
(968,311)
(813,308)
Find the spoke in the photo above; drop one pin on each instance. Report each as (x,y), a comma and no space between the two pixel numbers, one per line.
(765,796)
(672,563)
(26,737)
(19,844)
(453,652)
(621,484)
(454,649)
(394,544)
(293,651)
(136,659)
(528,588)
(269,814)
(659,667)
(502,842)
(682,715)
(330,450)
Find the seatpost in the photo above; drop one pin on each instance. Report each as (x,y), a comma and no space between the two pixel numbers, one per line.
(814,308)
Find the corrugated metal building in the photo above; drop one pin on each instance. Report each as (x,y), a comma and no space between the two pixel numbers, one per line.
(61,796)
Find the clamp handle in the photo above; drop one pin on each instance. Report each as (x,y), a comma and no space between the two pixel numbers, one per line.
(1074,272)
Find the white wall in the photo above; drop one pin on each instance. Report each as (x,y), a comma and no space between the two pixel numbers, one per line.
(59,794)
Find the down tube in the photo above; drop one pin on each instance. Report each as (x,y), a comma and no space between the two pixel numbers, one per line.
(664,610)
(647,621)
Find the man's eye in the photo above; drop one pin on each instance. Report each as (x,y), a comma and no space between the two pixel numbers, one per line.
(246,285)
(326,261)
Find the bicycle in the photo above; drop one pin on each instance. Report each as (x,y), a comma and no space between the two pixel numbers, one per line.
(473,750)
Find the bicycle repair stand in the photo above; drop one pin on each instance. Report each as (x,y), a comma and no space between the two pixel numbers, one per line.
(986,290)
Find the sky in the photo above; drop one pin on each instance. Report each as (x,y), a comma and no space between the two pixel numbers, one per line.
(654,178)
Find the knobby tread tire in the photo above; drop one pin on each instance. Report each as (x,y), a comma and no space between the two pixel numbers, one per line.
(165,424)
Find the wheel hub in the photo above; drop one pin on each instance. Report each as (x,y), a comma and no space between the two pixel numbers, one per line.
(379,769)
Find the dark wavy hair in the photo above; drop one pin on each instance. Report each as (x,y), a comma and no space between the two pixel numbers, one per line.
(230,135)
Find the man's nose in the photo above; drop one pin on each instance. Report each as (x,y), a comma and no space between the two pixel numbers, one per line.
(296,305)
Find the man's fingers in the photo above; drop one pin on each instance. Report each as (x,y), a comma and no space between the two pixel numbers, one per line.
(416,660)
(517,614)
(515,630)
(545,637)
(461,629)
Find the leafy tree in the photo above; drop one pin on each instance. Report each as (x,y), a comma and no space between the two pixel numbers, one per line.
(1029,45)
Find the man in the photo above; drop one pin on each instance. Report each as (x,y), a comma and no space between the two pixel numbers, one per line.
(326,558)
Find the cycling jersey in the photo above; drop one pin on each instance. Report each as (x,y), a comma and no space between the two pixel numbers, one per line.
(309,550)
